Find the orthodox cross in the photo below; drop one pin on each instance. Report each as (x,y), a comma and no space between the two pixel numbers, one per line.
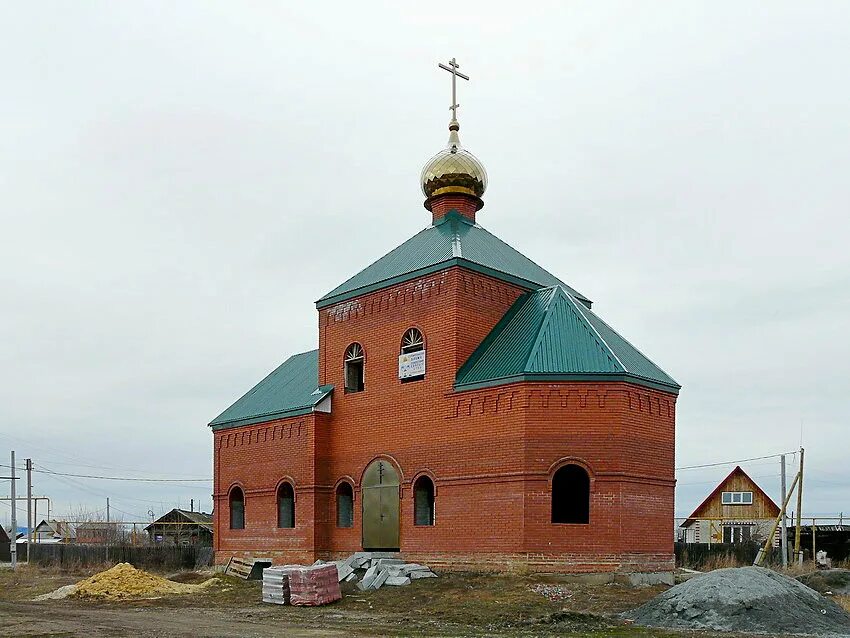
(453,69)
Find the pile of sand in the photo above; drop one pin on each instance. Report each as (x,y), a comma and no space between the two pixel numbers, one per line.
(746,599)
(125,581)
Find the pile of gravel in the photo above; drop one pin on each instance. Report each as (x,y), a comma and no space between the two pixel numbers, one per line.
(746,599)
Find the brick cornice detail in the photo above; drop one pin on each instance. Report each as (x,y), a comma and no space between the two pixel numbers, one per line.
(253,434)
(414,291)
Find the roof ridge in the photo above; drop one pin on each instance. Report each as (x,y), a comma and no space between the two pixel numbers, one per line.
(487,343)
(636,349)
(547,318)
(593,329)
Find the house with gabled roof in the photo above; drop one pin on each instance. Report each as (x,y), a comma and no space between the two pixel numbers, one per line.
(736,511)
(182,527)
(465,407)
(50,531)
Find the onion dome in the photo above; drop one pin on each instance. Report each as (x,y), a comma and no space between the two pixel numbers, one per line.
(454,170)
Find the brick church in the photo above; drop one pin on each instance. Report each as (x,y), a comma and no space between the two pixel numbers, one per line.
(464,407)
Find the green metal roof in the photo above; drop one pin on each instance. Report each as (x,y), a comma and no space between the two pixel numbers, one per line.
(453,240)
(546,335)
(291,389)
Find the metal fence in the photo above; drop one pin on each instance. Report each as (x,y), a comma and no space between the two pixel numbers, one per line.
(158,557)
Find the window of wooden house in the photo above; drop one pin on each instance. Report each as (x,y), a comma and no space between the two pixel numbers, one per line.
(736,498)
(285,506)
(571,495)
(423,501)
(344,505)
(354,368)
(237,509)
(737,533)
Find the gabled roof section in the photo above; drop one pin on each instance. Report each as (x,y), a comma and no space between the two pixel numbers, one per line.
(202,519)
(738,471)
(289,390)
(452,240)
(547,335)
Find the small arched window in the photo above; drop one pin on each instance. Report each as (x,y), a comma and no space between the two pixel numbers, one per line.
(411,367)
(423,501)
(571,495)
(285,506)
(237,508)
(412,341)
(354,360)
(344,505)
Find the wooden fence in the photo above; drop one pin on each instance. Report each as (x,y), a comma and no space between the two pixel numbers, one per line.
(157,557)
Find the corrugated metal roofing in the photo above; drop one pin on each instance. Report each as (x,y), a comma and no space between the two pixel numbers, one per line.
(548,335)
(454,239)
(289,390)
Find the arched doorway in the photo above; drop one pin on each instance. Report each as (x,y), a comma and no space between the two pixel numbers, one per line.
(380,506)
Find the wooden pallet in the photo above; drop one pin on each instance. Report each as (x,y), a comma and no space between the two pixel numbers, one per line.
(247,568)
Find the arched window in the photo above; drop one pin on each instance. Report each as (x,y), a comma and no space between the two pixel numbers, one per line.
(237,508)
(285,506)
(412,341)
(344,505)
(354,368)
(571,495)
(423,501)
(411,366)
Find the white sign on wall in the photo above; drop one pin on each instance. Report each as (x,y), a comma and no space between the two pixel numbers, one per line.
(411,364)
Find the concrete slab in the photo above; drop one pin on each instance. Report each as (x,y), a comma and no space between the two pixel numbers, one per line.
(380,579)
(397,581)
(422,574)
(413,567)
(343,572)
(368,578)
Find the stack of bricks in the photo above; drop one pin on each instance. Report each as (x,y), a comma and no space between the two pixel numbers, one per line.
(314,585)
(276,585)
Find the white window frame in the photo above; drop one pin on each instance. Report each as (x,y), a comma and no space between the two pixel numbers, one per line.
(736,498)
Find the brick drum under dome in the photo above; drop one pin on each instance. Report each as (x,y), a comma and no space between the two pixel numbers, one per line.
(464,406)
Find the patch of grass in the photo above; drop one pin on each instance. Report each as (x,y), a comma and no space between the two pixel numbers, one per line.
(29,581)
(844,601)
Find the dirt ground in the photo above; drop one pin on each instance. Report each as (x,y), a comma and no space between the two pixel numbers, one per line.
(452,605)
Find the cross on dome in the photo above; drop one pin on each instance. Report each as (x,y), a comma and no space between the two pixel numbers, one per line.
(453,69)
(453,171)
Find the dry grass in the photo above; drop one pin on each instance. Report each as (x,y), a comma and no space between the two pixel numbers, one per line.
(794,569)
(724,561)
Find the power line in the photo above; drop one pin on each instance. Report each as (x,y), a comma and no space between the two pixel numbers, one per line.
(126,478)
(755,458)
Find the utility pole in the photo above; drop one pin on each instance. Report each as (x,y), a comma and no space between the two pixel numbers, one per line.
(783,540)
(14,548)
(108,530)
(29,510)
(798,556)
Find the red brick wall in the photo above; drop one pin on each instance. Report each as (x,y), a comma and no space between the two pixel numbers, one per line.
(490,452)
(258,458)
(441,205)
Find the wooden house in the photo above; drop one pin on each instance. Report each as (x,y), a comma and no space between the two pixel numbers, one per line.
(54,532)
(736,511)
(179,527)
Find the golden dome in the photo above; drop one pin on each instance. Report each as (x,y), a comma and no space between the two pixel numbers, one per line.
(454,170)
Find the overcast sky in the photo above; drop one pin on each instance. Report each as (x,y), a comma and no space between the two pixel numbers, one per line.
(179,182)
